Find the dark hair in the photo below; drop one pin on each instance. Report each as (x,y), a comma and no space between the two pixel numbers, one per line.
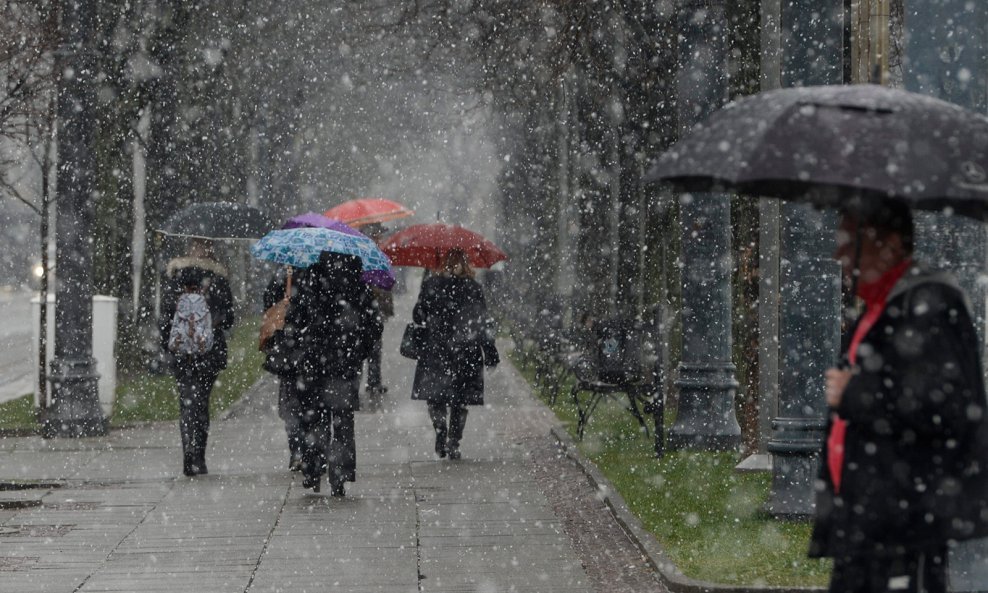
(188,279)
(888,218)
(337,270)
(457,257)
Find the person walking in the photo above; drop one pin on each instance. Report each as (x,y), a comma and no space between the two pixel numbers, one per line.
(384,302)
(385,305)
(335,321)
(195,372)
(449,374)
(289,407)
(903,471)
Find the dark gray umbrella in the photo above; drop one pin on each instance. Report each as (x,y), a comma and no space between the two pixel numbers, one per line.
(841,146)
(218,220)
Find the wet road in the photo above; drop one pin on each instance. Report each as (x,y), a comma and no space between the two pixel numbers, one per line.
(16,364)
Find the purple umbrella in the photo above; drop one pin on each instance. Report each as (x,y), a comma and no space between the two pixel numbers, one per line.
(315,220)
(383,279)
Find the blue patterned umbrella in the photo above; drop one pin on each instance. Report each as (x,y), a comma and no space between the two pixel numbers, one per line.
(301,247)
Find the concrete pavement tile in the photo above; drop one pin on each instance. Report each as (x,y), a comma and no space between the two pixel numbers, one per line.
(54,465)
(480,524)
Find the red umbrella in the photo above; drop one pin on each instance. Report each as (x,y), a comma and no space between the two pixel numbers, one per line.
(367,211)
(425,245)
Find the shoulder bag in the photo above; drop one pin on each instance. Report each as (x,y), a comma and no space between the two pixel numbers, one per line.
(274,318)
(413,341)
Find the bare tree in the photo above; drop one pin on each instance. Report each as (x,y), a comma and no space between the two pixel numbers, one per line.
(28,37)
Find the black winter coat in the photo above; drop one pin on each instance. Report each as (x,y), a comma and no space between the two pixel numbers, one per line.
(333,318)
(211,277)
(916,450)
(451,368)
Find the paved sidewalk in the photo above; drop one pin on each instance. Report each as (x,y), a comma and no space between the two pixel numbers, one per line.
(116,514)
(17,359)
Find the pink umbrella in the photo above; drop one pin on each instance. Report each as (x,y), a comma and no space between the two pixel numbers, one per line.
(368,211)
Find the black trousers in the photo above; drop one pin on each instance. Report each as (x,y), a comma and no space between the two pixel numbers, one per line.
(290,412)
(912,572)
(329,444)
(452,432)
(374,364)
(195,385)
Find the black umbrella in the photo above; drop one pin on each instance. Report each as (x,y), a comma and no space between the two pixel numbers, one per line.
(841,146)
(218,220)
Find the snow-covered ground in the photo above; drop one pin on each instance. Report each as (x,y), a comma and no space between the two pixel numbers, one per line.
(16,363)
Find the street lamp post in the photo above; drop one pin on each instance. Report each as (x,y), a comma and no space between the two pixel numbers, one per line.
(945,57)
(75,409)
(706,419)
(812,53)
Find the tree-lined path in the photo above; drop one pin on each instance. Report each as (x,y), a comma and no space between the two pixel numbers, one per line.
(501,519)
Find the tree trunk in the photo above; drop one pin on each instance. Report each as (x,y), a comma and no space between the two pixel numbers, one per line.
(744,19)
(162,187)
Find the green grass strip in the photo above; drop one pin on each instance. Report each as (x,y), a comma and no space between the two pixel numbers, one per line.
(18,414)
(150,398)
(155,398)
(707,516)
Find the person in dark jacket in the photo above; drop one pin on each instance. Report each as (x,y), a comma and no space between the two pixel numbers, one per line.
(196,374)
(903,469)
(289,408)
(335,321)
(385,305)
(449,374)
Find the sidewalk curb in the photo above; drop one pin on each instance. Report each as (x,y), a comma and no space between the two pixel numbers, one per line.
(650,548)
(670,576)
(245,401)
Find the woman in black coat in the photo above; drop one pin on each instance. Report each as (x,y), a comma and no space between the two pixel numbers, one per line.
(334,321)
(449,375)
(196,375)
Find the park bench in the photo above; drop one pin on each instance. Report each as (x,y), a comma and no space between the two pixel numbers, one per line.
(615,358)
(620,362)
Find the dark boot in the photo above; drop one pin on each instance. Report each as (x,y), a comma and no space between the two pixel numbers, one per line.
(441,444)
(200,451)
(437,413)
(201,465)
(188,465)
(457,420)
(295,437)
(337,487)
(314,482)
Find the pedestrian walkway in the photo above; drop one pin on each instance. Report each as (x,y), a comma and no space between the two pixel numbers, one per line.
(17,359)
(115,513)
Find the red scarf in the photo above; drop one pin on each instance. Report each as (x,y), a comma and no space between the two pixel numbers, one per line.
(875,296)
